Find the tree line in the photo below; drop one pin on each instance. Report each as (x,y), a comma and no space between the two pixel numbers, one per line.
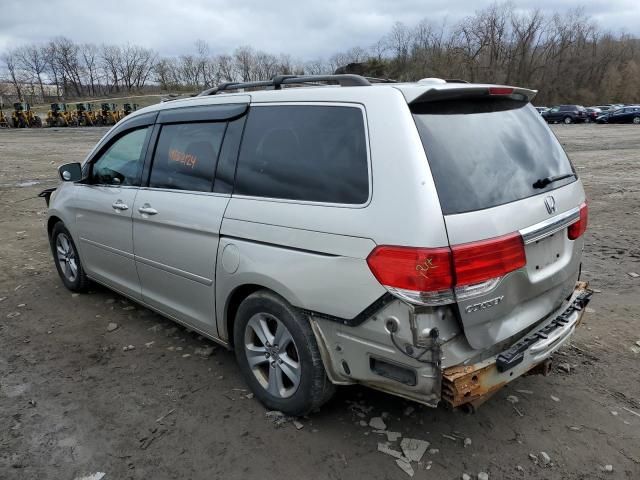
(567,57)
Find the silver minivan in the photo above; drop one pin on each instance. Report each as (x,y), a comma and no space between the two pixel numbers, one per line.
(423,239)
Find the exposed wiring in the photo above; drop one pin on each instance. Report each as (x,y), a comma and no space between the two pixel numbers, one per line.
(418,358)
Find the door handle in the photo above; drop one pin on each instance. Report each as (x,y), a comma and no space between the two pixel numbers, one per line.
(147,210)
(119,205)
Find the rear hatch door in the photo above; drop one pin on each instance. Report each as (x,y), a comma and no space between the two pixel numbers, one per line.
(501,174)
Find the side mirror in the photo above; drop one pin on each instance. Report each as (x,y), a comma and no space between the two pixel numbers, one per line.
(70,172)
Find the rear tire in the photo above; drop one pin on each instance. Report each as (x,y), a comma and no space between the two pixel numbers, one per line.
(567,120)
(636,120)
(67,259)
(278,355)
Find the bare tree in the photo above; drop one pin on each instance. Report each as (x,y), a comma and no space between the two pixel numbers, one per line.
(10,60)
(33,61)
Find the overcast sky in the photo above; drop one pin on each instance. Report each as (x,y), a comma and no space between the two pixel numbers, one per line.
(306,30)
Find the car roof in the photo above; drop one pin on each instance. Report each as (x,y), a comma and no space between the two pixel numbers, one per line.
(330,93)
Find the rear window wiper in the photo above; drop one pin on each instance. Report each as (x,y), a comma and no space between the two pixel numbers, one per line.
(543,182)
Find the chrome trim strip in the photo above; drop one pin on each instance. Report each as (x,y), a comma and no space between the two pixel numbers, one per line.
(122,253)
(175,271)
(550,226)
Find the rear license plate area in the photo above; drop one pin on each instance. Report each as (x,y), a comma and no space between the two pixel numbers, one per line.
(545,252)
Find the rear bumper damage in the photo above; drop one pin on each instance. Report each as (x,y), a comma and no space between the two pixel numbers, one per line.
(472,384)
(369,355)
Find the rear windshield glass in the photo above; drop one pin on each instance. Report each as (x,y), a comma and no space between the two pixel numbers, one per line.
(488,152)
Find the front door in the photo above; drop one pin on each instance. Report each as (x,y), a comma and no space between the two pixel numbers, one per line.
(176,223)
(104,207)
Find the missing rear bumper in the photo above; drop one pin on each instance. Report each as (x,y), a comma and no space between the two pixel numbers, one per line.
(473,384)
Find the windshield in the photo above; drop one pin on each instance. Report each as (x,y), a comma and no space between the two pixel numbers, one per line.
(488,152)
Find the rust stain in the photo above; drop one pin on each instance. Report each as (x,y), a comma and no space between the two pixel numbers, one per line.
(469,384)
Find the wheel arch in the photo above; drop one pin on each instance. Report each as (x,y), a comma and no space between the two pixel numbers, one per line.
(235,298)
(51,221)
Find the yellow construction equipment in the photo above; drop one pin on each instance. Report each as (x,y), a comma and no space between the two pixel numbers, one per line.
(127,108)
(92,113)
(58,116)
(23,117)
(107,115)
(82,117)
(3,120)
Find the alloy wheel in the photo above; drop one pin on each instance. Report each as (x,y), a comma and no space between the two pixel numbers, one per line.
(66,257)
(272,355)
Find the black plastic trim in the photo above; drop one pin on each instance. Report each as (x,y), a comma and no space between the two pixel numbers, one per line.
(367,313)
(203,113)
(515,354)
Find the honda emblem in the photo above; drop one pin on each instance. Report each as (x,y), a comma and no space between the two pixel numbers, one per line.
(550,203)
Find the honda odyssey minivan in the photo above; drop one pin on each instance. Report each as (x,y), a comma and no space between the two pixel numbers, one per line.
(423,239)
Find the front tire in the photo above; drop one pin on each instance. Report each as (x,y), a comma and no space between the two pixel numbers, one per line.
(278,355)
(636,120)
(567,120)
(67,260)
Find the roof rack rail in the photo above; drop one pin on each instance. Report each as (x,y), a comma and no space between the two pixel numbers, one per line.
(344,80)
(381,80)
(455,80)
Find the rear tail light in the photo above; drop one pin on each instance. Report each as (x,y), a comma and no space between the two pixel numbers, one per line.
(430,276)
(577,229)
(479,261)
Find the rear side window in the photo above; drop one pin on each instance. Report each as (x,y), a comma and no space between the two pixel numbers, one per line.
(488,152)
(186,156)
(311,153)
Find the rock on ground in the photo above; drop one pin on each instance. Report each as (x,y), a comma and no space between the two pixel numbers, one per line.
(377,423)
(414,448)
(405,466)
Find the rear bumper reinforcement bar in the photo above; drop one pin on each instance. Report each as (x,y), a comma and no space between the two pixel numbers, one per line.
(473,384)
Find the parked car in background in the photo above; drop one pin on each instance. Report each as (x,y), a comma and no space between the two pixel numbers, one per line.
(252,218)
(541,110)
(566,114)
(593,113)
(628,114)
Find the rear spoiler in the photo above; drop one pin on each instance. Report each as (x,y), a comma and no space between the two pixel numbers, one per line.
(488,91)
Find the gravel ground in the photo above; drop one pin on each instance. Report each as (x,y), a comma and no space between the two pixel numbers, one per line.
(73,403)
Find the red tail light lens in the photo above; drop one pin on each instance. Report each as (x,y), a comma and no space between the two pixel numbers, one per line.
(425,271)
(479,261)
(500,91)
(408,268)
(577,229)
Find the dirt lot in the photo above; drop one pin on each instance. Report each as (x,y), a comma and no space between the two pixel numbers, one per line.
(73,403)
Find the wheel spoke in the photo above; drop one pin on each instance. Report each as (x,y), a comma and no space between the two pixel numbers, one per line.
(275,386)
(256,355)
(66,269)
(60,250)
(65,243)
(73,267)
(282,337)
(291,369)
(261,328)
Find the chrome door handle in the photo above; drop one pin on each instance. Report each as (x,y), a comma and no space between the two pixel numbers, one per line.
(147,210)
(118,205)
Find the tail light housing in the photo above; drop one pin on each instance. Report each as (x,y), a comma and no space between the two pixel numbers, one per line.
(576,229)
(434,276)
